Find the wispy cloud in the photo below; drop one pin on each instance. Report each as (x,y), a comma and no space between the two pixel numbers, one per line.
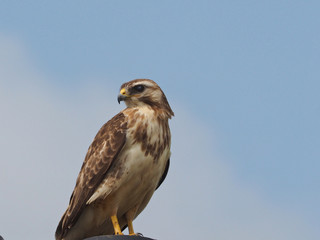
(44,138)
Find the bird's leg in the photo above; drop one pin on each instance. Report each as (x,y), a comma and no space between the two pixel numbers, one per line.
(116,226)
(130,216)
(130,228)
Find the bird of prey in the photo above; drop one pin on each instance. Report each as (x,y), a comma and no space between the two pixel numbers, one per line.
(126,162)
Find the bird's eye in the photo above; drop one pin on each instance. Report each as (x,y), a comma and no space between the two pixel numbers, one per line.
(138,88)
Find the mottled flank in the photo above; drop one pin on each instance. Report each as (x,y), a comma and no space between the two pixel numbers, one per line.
(126,162)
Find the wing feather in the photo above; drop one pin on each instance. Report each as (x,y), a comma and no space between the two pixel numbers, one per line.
(102,153)
(164,175)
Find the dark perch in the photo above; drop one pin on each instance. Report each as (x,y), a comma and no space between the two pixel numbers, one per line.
(118,237)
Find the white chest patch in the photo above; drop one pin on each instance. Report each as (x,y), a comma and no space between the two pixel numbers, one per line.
(142,161)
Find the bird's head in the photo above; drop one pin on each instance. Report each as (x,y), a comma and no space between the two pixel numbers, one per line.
(142,92)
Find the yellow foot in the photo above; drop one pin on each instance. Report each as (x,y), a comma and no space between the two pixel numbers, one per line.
(116,226)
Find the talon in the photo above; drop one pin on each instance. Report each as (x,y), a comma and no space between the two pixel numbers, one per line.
(136,234)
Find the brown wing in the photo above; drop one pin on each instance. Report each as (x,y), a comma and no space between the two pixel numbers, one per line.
(164,174)
(101,154)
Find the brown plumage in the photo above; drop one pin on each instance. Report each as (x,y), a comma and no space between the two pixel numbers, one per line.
(126,162)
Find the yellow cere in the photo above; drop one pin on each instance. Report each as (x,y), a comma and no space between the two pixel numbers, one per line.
(123,91)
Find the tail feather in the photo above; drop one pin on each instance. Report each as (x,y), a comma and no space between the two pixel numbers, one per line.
(60,232)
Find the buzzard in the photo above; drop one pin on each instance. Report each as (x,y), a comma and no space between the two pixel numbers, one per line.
(126,162)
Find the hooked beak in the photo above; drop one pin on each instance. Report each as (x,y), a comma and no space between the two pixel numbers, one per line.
(122,95)
(121,98)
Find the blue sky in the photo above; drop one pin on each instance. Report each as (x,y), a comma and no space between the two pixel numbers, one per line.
(241,76)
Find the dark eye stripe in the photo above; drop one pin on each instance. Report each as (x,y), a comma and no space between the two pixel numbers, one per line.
(138,88)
